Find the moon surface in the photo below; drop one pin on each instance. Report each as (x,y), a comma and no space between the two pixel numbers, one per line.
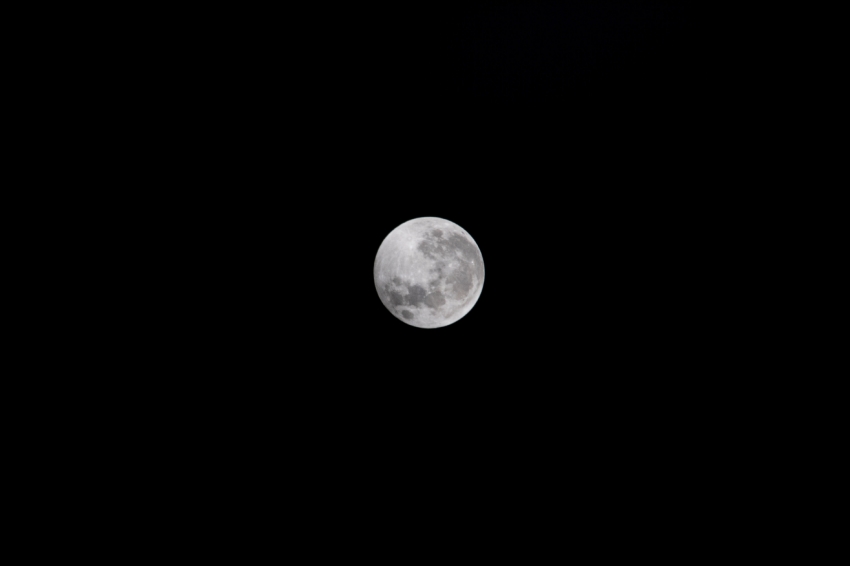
(429,272)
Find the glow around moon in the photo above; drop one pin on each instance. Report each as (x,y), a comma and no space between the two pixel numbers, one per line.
(429,272)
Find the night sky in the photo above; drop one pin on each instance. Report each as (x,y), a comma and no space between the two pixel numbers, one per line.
(574,141)
(581,144)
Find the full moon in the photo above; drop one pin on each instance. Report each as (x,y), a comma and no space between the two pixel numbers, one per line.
(429,272)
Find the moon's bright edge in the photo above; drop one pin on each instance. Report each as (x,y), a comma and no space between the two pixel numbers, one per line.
(429,272)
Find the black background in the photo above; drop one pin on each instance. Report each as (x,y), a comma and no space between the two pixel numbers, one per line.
(576,142)
(227,370)
(581,144)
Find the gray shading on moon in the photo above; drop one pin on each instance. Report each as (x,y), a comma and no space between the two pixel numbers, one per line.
(429,272)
